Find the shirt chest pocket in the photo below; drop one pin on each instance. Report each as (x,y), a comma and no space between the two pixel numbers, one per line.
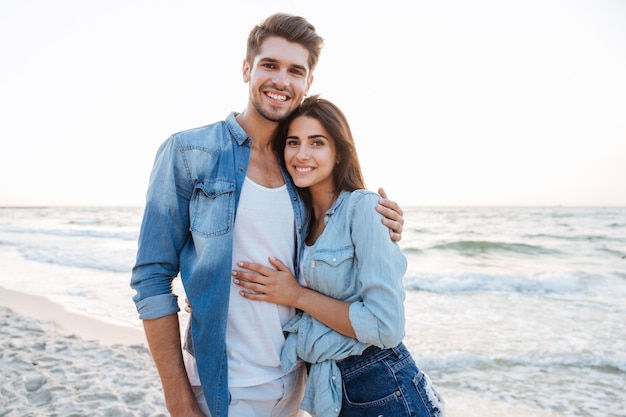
(211,207)
(332,269)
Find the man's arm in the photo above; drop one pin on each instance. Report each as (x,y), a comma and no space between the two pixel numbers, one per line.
(163,336)
(393,215)
(164,232)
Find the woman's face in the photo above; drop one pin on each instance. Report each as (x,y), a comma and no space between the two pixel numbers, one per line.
(310,154)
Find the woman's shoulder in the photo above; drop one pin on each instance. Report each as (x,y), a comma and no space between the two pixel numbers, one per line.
(361,197)
(357,202)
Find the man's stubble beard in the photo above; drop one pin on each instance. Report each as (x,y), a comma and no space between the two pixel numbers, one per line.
(271,116)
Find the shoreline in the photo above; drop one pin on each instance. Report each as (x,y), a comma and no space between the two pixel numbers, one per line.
(68,322)
(58,363)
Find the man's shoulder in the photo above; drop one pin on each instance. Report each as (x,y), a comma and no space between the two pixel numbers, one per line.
(199,135)
(211,134)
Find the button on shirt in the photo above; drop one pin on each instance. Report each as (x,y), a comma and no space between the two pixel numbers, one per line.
(353,260)
(187,227)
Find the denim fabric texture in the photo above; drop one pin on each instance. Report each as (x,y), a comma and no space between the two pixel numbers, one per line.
(187,228)
(387,382)
(353,260)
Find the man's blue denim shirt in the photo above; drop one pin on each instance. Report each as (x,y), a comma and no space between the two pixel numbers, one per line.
(187,227)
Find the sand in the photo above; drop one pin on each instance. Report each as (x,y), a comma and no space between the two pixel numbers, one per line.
(57,363)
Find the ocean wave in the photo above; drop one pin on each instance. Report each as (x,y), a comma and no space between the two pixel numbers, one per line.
(452,360)
(546,282)
(109,259)
(575,238)
(86,233)
(616,225)
(411,250)
(471,247)
(613,252)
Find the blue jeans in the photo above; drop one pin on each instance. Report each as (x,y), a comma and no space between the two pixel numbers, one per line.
(387,383)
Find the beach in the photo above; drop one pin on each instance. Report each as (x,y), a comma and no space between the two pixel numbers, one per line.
(515,312)
(57,363)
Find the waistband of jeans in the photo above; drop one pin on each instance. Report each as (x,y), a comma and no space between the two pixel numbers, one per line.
(374,353)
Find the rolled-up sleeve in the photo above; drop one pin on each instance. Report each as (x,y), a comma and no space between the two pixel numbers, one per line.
(164,231)
(378,317)
(157,306)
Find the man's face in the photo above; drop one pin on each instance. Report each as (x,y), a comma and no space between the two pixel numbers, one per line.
(279,78)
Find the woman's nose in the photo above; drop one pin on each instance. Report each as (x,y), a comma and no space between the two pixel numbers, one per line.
(303,152)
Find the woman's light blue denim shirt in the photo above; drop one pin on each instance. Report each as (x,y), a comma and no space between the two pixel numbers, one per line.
(353,260)
(187,227)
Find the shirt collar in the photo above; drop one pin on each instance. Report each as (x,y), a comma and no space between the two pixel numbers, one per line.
(235,129)
(337,203)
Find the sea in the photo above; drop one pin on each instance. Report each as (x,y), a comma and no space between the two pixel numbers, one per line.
(511,311)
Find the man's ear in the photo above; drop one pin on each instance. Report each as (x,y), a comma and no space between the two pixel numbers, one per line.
(308,84)
(245,69)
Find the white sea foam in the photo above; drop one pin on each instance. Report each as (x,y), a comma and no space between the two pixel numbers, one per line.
(546,282)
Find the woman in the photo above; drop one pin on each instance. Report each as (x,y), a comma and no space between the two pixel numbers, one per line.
(350,293)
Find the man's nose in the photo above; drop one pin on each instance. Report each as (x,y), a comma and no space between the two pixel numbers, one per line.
(281,78)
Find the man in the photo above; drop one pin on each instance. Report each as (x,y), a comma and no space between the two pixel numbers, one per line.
(217,195)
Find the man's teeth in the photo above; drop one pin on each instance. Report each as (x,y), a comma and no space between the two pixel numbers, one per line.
(277,96)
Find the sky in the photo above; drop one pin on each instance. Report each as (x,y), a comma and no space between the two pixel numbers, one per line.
(451,102)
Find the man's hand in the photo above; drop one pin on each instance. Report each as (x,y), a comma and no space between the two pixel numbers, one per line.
(393,215)
(163,337)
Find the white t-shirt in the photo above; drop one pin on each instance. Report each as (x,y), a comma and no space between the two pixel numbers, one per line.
(264,227)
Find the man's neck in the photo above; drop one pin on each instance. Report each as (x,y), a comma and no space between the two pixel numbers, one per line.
(263,167)
(257,127)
